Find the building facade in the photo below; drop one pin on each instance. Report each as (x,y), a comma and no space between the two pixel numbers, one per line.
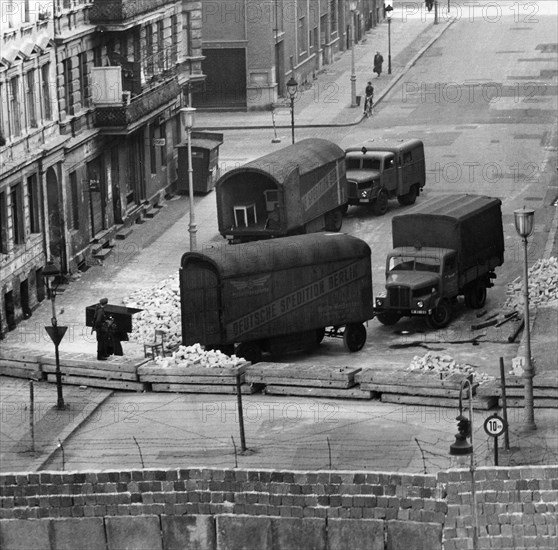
(252,47)
(91,92)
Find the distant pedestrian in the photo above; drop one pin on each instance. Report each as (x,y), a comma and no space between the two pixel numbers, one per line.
(369,101)
(100,329)
(378,60)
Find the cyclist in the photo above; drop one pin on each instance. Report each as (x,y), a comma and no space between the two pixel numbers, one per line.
(369,101)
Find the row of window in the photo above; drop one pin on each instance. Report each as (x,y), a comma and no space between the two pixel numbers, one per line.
(15,202)
(28,101)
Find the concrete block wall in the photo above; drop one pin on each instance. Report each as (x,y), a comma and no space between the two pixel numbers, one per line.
(218,509)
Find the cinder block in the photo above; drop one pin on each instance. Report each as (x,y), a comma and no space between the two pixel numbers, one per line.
(23,534)
(356,534)
(90,533)
(137,532)
(287,533)
(425,536)
(188,532)
(241,531)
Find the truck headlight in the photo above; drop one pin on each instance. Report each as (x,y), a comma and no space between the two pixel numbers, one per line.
(379,302)
(364,193)
(420,304)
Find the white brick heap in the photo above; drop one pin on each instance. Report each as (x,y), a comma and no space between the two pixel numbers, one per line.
(161,310)
(195,355)
(442,363)
(543,285)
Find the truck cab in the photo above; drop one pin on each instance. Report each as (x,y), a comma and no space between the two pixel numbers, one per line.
(378,171)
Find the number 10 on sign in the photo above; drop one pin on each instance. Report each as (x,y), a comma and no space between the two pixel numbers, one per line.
(495,426)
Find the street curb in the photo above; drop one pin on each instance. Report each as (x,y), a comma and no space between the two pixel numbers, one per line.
(65,434)
(382,94)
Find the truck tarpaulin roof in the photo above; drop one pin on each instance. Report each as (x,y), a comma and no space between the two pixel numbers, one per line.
(469,224)
(279,254)
(306,155)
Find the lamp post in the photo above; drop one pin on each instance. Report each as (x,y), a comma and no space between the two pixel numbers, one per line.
(462,447)
(187,116)
(292,86)
(56,333)
(524,224)
(389,13)
(352,7)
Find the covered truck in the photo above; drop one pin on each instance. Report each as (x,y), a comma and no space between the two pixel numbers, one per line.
(447,247)
(379,170)
(277,295)
(298,189)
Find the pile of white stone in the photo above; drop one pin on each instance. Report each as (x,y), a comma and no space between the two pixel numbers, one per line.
(543,285)
(441,363)
(161,311)
(196,356)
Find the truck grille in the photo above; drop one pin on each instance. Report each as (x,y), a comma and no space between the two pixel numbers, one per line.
(399,296)
(353,189)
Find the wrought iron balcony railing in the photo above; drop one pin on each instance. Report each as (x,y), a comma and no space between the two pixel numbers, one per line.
(117,11)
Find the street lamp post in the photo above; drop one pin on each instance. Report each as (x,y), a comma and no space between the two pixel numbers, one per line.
(352,6)
(462,447)
(389,13)
(187,115)
(292,86)
(524,224)
(56,333)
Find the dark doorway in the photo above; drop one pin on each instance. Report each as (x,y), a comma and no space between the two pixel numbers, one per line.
(24,297)
(225,84)
(55,219)
(9,307)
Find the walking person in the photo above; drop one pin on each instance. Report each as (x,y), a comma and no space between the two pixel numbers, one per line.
(100,329)
(369,99)
(378,60)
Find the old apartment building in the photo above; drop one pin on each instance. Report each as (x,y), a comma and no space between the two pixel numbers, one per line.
(252,47)
(89,98)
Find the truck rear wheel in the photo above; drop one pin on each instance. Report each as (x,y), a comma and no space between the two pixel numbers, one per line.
(334,220)
(388,318)
(440,316)
(250,351)
(380,205)
(354,336)
(409,198)
(475,297)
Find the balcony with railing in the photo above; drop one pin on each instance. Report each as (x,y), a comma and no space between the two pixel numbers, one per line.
(118,11)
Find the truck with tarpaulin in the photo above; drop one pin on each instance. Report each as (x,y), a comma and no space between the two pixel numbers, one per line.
(447,247)
(299,189)
(277,295)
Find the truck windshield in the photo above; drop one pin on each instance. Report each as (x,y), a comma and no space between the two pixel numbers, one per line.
(412,263)
(367,164)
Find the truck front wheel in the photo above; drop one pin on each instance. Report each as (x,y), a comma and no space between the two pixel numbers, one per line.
(440,316)
(334,220)
(380,205)
(354,336)
(475,297)
(250,351)
(388,318)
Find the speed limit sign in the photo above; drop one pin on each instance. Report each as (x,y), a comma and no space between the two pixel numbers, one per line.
(494,425)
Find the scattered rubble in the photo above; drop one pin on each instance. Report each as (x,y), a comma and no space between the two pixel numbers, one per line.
(195,355)
(543,285)
(441,363)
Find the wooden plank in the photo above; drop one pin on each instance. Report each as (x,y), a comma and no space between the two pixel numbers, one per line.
(193,370)
(482,403)
(98,382)
(414,390)
(226,380)
(19,372)
(199,388)
(93,373)
(538,402)
(541,380)
(350,393)
(111,364)
(19,354)
(411,378)
(312,382)
(290,370)
(537,392)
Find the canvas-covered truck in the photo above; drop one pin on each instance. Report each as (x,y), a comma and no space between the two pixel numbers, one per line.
(298,189)
(447,247)
(277,295)
(379,170)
